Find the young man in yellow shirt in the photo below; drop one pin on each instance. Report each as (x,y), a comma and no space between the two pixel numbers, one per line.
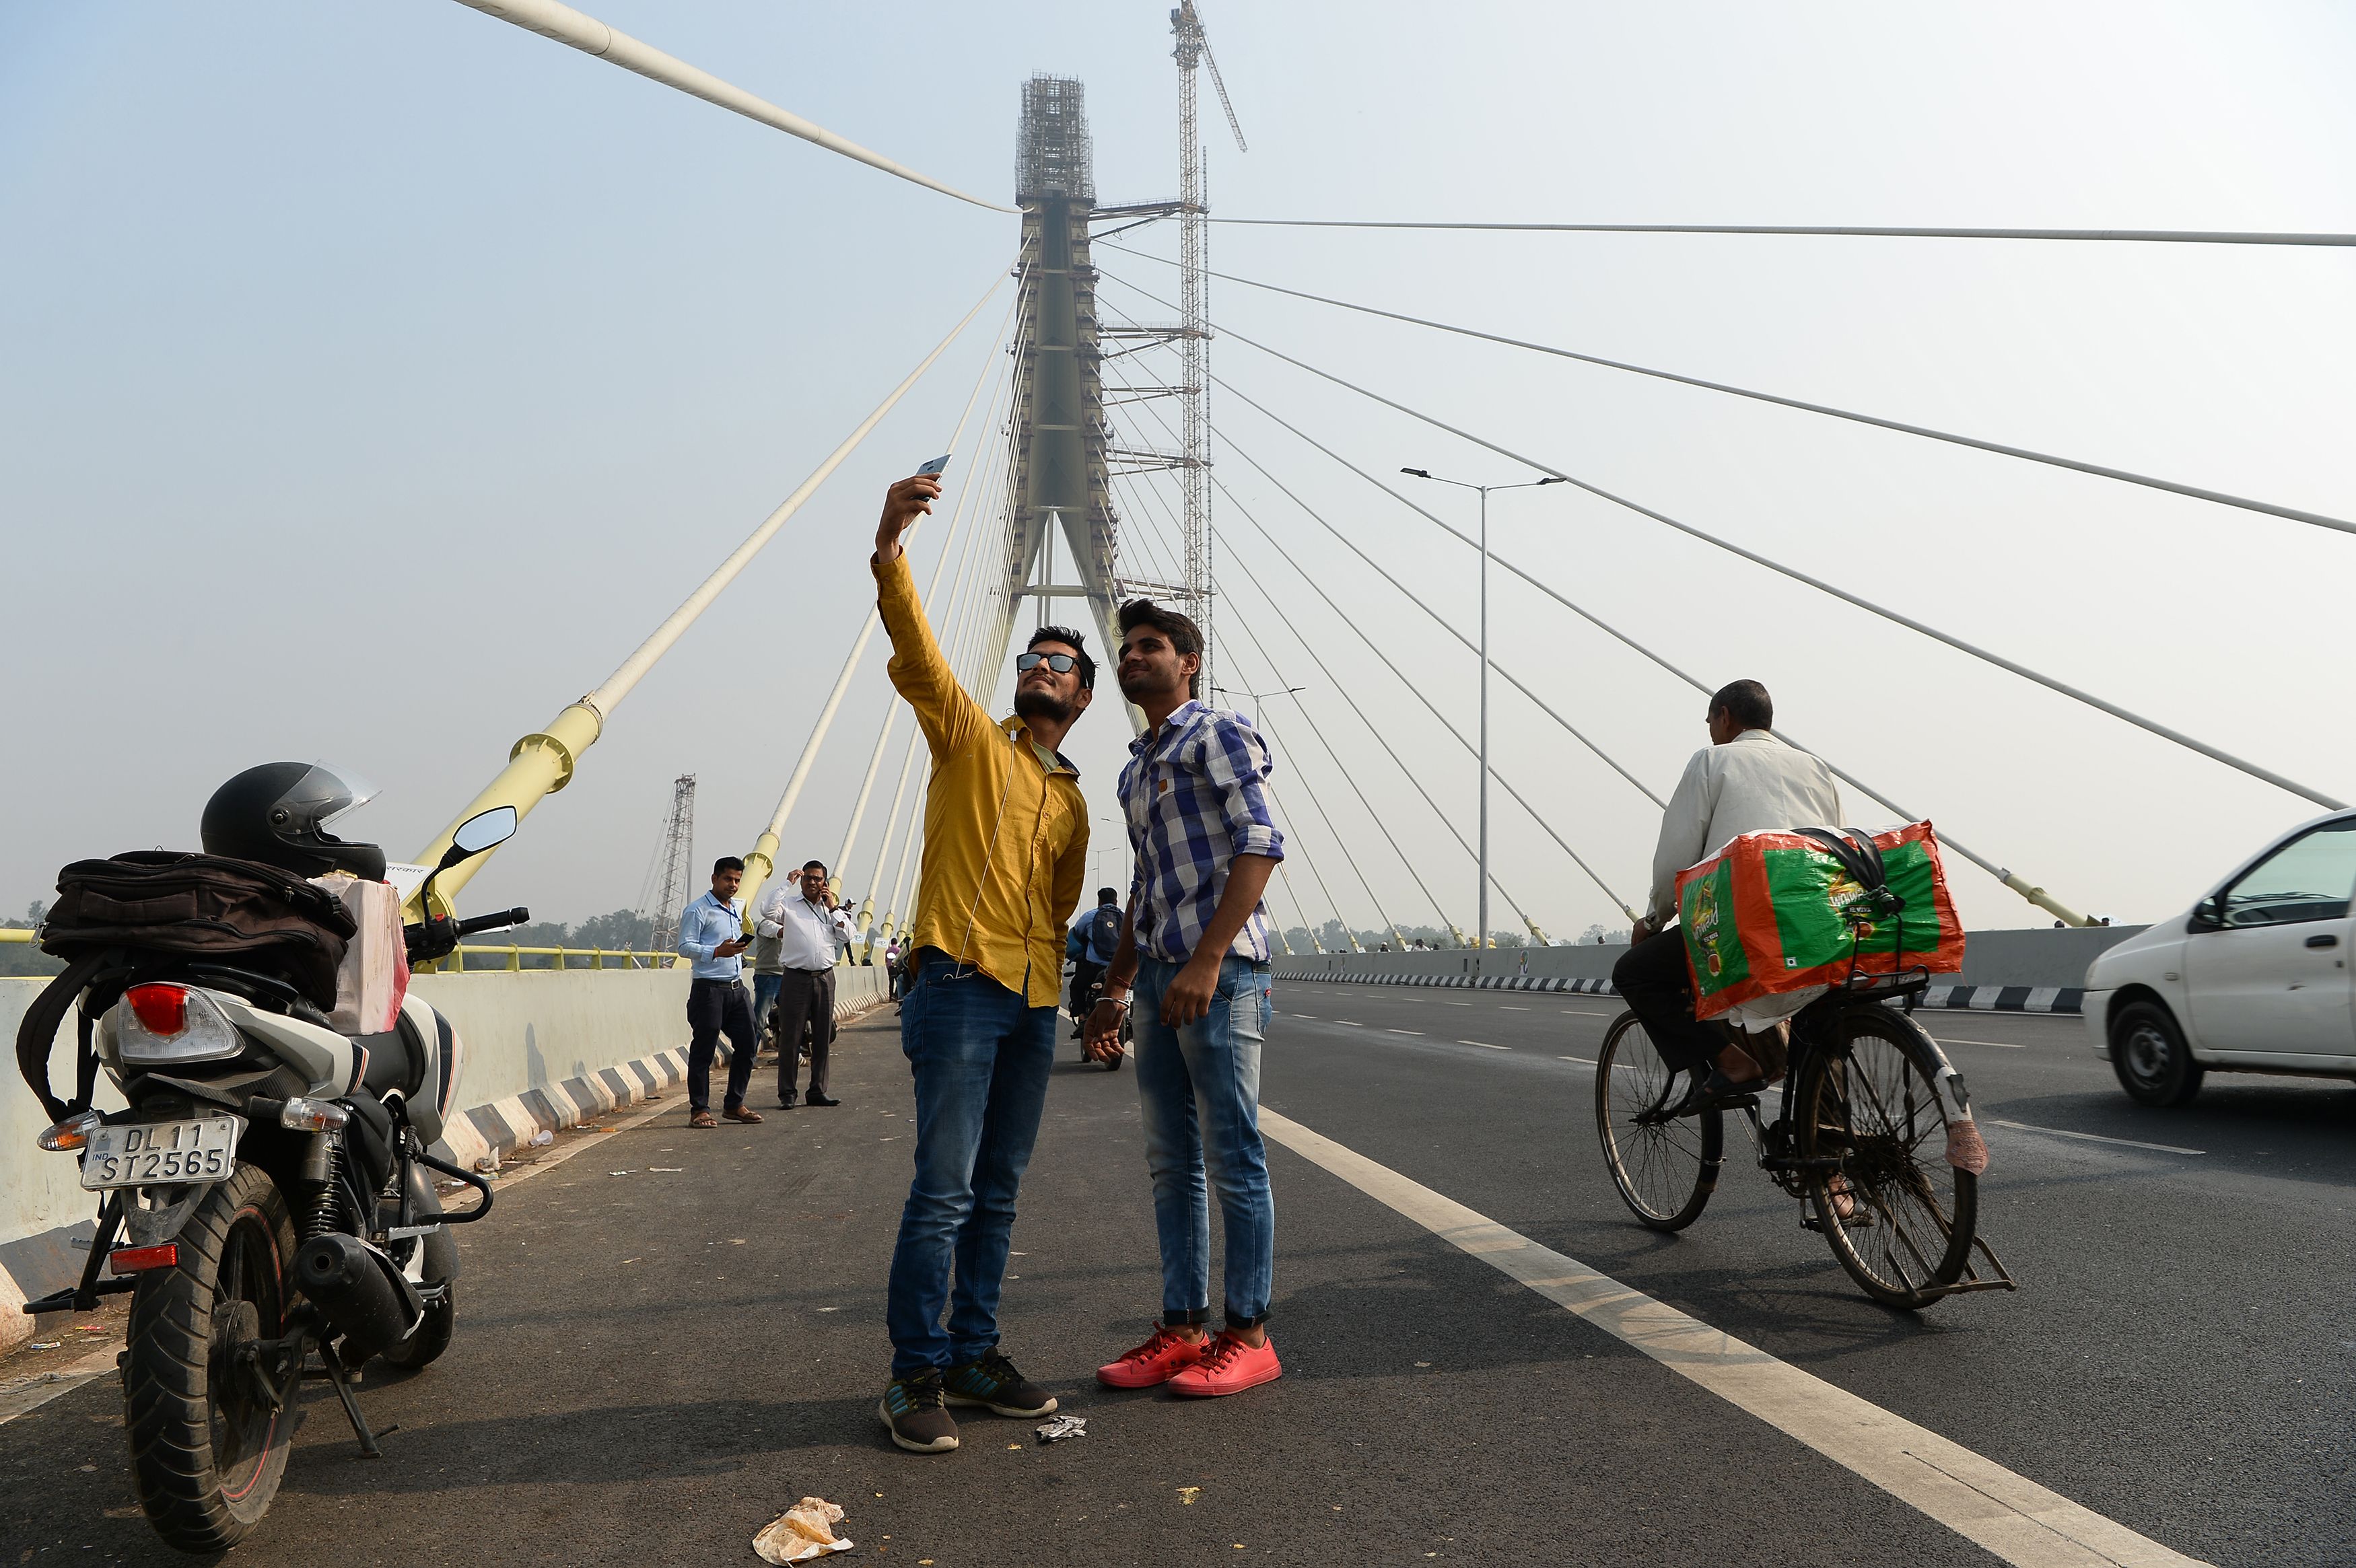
(1006,850)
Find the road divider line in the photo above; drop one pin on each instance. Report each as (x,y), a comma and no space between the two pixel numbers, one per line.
(2091,1137)
(2008,1514)
(2007,1044)
(1484,1045)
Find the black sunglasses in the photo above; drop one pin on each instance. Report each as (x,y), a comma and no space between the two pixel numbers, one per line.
(1062,663)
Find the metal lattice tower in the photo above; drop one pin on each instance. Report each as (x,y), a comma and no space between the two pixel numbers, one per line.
(1194,312)
(1059,468)
(677,863)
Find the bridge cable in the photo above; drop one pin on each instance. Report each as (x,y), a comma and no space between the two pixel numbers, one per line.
(2145,236)
(2151,726)
(957,617)
(1348,777)
(958,519)
(592,36)
(1446,821)
(2035,895)
(1542,822)
(1417,693)
(542,763)
(2293,514)
(766,848)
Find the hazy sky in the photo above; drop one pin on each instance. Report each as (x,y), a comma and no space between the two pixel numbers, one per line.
(374,377)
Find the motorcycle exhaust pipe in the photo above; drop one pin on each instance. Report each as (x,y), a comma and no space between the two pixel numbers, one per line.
(364,1297)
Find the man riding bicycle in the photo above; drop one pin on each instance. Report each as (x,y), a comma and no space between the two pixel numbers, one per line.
(1745,781)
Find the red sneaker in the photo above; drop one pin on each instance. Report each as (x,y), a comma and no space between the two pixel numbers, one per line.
(1159,1360)
(1228,1366)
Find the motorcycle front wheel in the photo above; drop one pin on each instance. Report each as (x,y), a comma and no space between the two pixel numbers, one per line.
(208,1446)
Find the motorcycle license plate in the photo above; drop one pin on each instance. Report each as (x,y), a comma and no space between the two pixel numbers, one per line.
(147,1154)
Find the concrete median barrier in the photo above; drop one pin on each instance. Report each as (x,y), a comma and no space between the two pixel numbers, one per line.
(545,1049)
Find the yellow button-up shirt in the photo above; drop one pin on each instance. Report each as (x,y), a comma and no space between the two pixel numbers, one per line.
(1006,831)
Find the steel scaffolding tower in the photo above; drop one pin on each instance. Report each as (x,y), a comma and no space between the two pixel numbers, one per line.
(678,863)
(1059,460)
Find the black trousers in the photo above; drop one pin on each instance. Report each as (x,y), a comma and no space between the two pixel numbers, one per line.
(1653,979)
(715,1007)
(1086,974)
(805,1000)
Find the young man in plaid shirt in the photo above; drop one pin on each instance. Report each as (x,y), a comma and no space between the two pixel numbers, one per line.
(1195,949)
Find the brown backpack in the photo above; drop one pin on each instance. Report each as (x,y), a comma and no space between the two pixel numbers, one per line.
(203,906)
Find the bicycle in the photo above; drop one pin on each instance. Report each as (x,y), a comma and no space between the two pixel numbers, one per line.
(1865,1091)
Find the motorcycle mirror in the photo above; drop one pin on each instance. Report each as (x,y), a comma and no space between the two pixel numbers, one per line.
(484,830)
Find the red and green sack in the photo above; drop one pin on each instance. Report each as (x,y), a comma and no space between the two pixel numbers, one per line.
(1771,913)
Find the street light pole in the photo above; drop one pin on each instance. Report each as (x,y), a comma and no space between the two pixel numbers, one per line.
(1481,928)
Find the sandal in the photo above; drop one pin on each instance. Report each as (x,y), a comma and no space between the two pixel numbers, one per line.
(703,1119)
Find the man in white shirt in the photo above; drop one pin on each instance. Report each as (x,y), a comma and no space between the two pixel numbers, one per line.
(1745,781)
(810,933)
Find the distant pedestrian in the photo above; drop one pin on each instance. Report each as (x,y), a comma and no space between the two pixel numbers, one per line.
(893,967)
(1196,944)
(1094,938)
(810,937)
(711,937)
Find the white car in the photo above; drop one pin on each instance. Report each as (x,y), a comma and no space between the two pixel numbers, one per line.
(2254,978)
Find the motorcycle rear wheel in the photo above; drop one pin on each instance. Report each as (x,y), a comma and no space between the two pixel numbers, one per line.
(206,1448)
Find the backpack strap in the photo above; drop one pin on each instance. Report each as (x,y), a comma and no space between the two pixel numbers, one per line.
(39,1031)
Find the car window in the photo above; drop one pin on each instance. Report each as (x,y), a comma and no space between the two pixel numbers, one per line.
(2307,879)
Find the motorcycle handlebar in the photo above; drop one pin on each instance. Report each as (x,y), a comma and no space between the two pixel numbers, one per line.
(499,922)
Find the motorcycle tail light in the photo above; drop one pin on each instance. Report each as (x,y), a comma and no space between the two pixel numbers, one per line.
(302,1115)
(162,1010)
(134,1260)
(71,1134)
(159,1023)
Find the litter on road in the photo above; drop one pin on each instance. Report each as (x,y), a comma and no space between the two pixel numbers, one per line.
(1063,1426)
(803,1531)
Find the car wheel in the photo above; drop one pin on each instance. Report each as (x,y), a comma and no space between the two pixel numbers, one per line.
(2148,1053)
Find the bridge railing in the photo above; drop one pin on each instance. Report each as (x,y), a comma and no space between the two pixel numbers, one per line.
(631,958)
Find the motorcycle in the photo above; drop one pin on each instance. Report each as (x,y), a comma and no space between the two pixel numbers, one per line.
(265,1198)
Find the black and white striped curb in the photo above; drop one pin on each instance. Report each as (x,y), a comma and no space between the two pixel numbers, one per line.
(1471,982)
(2006,999)
(1961,999)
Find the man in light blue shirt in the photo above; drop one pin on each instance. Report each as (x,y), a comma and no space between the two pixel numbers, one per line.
(712,939)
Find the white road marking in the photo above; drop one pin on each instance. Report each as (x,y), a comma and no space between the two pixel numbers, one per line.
(1352,1022)
(1446,1003)
(1296,1012)
(2091,1138)
(2008,1044)
(19,1396)
(2009,1515)
(1484,1045)
(1414,1032)
(1583,1013)
(1587,1061)
(1506,1010)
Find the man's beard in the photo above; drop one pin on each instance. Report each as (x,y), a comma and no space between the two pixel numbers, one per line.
(1147,684)
(1033,703)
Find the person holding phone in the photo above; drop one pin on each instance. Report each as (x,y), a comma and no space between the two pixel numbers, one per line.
(712,938)
(1006,850)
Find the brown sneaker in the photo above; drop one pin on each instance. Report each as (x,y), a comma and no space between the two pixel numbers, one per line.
(741,1115)
(703,1119)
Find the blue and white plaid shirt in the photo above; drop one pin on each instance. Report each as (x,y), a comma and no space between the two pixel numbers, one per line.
(1195,796)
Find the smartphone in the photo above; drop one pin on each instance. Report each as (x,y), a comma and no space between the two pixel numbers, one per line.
(935,466)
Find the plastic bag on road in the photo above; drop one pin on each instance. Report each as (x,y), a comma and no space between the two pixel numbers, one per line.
(803,1532)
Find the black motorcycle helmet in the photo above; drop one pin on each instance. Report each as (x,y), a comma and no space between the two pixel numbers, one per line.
(278,814)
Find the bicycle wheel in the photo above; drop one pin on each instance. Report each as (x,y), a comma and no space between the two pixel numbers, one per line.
(1664,1166)
(1866,1101)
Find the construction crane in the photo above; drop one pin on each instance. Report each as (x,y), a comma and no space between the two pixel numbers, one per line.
(1194,467)
(674,864)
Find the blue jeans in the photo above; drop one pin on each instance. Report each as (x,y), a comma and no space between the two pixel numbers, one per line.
(980,1056)
(765,996)
(1199,1089)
